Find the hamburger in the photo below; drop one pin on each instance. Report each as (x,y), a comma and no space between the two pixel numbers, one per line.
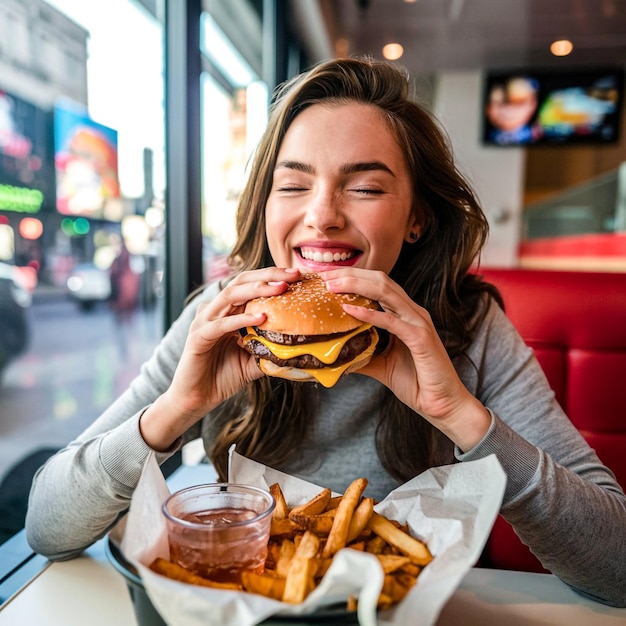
(307,335)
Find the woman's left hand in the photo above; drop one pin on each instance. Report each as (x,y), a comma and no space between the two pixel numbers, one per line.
(415,364)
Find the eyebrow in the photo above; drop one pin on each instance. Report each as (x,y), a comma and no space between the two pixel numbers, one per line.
(295,165)
(347,168)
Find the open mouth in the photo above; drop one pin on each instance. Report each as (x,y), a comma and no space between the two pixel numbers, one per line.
(327,256)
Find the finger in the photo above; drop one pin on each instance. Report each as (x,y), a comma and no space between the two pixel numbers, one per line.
(267,274)
(339,272)
(237,295)
(233,298)
(417,333)
(212,330)
(249,285)
(372,284)
(378,286)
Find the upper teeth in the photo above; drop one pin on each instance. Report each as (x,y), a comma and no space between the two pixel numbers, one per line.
(325,257)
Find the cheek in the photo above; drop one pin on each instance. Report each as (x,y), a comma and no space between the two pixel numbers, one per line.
(387,243)
(276,228)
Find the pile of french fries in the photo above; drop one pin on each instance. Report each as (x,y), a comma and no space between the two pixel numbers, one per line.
(305,538)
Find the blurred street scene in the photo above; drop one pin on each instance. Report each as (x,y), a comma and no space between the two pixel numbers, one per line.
(78,361)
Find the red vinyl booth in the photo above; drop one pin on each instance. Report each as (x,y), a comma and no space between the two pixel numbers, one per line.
(576,324)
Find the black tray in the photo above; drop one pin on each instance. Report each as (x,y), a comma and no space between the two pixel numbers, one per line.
(147,615)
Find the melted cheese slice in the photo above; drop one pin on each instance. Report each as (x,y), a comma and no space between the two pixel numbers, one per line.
(330,375)
(325,351)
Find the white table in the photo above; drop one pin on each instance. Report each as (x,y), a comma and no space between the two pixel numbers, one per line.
(88,590)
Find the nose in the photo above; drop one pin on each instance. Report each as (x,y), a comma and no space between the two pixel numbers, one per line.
(325,212)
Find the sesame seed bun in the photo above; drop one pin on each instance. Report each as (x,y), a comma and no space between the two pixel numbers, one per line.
(308,308)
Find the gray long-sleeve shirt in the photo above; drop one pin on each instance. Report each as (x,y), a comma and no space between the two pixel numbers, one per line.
(559,497)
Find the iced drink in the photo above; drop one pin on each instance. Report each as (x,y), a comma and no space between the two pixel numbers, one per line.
(219,530)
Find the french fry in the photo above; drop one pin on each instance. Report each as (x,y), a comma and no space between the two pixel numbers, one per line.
(287,550)
(404,579)
(264,585)
(301,570)
(384,601)
(322,566)
(283,528)
(183,575)
(314,506)
(392,562)
(411,569)
(281,510)
(393,589)
(333,503)
(375,545)
(319,524)
(273,550)
(339,532)
(271,573)
(360,517)
(414,549)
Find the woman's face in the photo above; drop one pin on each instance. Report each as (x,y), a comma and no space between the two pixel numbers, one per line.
(341,192)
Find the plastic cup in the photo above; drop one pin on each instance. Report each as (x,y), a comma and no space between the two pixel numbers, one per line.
(219,530)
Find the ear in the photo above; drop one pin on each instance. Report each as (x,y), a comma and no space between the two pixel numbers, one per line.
(413,230)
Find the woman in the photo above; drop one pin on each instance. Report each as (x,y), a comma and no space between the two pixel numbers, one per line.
(356,182)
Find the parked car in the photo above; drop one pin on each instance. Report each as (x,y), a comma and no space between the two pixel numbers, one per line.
(14,302)
(88,285)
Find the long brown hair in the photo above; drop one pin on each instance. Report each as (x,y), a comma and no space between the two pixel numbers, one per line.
(269,418)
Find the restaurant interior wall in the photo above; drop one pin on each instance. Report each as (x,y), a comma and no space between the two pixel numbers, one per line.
(508,179)
(495,174)
(549,170)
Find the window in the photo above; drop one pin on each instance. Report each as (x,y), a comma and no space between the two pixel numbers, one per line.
(234,104)
(82,171)
(97,113)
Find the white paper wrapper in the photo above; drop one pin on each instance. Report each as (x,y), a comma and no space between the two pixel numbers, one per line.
(451,508)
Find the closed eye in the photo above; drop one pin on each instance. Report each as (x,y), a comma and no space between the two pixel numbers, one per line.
(367,191)
(291,188)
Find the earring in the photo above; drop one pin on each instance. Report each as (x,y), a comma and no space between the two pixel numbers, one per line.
(413,236)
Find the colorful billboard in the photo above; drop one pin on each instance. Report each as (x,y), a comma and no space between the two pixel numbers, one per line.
(26,162)
(85,163)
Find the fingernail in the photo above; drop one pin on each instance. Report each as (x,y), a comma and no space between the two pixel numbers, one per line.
(275,283)
(292,270)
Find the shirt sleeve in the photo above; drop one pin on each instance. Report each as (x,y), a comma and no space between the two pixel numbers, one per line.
(559,498)
(81,492)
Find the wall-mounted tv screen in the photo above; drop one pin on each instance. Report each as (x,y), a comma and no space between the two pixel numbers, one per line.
(527,107)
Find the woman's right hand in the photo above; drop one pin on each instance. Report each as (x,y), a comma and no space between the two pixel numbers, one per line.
(213,366)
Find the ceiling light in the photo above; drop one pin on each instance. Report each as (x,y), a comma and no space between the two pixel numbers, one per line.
(561,47)
(393,51)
